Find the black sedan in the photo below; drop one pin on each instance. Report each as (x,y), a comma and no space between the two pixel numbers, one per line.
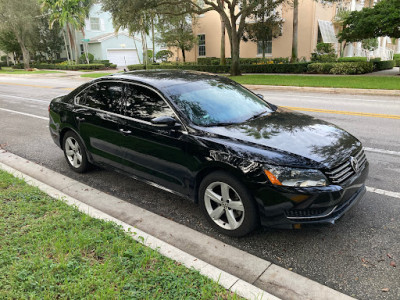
(244,160)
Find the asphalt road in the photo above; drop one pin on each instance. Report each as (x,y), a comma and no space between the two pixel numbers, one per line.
(354,256)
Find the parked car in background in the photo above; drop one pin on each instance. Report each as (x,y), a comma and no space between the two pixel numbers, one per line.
(204,137)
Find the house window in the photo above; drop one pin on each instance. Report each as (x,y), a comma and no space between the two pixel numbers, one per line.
(202,44)
(267,46)
(94,23)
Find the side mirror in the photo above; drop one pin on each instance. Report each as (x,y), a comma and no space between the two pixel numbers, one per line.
(260,96)
(164,121)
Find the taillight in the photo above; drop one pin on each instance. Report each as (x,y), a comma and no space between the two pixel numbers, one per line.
(49,108)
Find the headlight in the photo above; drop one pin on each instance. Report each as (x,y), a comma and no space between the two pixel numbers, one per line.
(294,177)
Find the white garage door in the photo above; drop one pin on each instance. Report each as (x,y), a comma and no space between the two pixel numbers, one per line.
(122,57)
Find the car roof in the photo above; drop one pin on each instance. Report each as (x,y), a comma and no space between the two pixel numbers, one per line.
(165,78)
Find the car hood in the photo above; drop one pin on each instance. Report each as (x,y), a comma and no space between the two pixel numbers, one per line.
(289,133)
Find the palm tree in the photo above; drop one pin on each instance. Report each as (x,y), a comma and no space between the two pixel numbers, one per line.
(295,29)
(70,14)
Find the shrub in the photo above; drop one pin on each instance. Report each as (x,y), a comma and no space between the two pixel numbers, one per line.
(323,53)
(383,65)
(321,68)
(396,58)
(82,58)
(18,66)
(352,59)
(163,55)
(352,68)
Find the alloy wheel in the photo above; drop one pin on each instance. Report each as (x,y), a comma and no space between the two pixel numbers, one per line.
(73,152)
(224,206)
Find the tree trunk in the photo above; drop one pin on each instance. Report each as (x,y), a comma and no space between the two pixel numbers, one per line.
(235,53)
(183,55)
(77,52)
(137,50)
(25,52)
(71,42)
(295,29)
(222,59)
(144,46)
(263,49)
(66,45)
(153,39)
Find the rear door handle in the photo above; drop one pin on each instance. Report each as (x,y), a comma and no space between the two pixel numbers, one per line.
(80,119)
(125,131)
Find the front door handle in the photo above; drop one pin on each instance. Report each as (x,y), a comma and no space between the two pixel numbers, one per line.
(125,131)
(80,119)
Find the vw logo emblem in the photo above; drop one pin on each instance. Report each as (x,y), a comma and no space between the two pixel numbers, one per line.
(354,163)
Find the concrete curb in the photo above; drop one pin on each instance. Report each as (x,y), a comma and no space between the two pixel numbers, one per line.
(324,90)
(237,270)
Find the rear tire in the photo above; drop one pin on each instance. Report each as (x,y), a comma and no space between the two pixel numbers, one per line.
(227,204)
(74,152)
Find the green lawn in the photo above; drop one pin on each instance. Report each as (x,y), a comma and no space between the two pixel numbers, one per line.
(95,75)
(49,250)
(6,70)
(356,82)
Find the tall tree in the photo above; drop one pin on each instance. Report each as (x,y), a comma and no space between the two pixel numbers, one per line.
(381,20)
(70,14)
(177,31)
(132,15)
(47,44)
(262,27)
(233,13)
(19,17)
(295,30)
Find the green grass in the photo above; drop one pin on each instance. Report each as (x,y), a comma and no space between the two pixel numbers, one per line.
(6,70)
(356,82)
(95,75)
(49,250)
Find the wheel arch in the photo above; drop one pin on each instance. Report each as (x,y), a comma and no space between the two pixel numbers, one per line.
(215,168)
(62,134)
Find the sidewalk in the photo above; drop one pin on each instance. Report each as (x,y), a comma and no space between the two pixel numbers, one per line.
(239,271)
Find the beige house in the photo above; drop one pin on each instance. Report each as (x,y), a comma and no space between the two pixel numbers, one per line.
(318,22)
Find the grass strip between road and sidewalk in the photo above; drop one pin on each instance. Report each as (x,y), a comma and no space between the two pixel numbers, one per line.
(95,75)
(6,70)
(354,82)
(50,250)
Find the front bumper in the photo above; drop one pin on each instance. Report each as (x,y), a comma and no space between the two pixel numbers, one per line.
(288,207)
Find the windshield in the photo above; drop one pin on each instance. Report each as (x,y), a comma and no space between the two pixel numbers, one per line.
(215,102)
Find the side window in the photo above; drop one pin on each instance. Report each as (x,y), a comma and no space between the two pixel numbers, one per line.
(105,96)
(144,104)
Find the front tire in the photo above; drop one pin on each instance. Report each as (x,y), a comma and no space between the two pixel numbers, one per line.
(74,152)
(227,204)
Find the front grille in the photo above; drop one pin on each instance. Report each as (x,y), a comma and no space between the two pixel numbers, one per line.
(308,213)
(345,171)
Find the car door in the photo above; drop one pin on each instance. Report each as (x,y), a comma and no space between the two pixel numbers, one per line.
(154,153)
(97,113)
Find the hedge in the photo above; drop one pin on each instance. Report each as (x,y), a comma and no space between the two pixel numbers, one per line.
(352,68)
(343,68)
(352,59)
(214,61)
(321,68)
(396,58)
(267,68)
(383,65)
(66,67)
